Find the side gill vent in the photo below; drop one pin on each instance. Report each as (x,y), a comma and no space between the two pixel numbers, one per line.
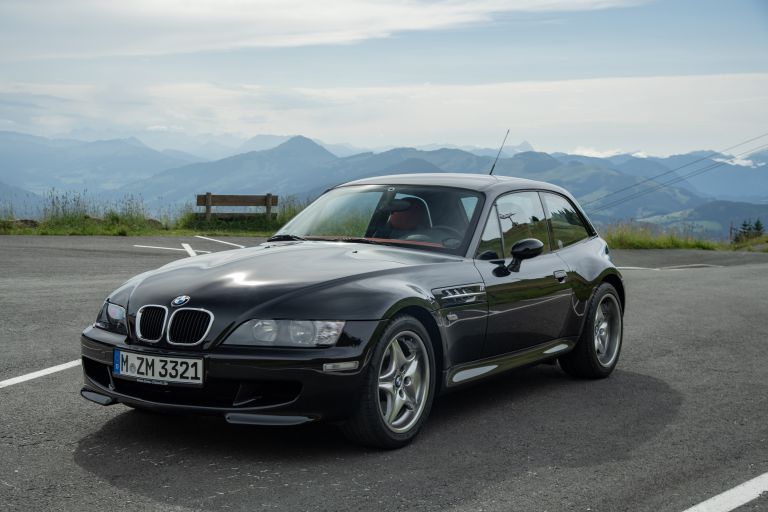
(460,295)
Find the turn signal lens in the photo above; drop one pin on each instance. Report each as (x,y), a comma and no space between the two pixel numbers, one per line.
(115,312)
(112,318)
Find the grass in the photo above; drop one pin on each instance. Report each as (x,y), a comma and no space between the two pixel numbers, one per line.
(72,213)
(81,214)
(641,236)
(757,244)
(190,220)
(78,214)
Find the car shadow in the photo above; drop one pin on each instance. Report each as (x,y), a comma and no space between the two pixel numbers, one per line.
(475,437)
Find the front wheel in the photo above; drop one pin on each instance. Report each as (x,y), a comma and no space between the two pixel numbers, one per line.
(597,351)
(399,387)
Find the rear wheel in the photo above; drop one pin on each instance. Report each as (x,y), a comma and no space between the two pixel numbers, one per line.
(597,351)
(399,387)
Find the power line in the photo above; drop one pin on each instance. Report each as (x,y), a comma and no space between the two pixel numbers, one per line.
(653,178)
(675,180)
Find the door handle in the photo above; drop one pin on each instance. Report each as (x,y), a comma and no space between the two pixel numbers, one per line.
(560,275)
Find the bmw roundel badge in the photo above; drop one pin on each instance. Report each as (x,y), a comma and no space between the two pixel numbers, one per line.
(180,300)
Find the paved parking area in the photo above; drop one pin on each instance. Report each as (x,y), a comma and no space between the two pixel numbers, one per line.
(684,418)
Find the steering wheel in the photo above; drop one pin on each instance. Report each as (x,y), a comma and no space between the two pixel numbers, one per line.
(458,234)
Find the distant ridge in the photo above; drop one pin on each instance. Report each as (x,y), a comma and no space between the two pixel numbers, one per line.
(302,147)
(302,167)
(38,163)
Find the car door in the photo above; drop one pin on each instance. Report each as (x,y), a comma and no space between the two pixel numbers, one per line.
(575,242)
(529,305)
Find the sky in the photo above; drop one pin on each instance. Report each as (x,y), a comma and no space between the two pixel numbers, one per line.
(596,77)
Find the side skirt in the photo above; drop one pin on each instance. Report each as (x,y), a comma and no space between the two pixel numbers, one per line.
(476,370)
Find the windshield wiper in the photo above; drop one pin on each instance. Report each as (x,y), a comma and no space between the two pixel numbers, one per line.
(284,238)
(353,239)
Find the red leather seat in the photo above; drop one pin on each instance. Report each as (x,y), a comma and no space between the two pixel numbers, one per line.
(415,217)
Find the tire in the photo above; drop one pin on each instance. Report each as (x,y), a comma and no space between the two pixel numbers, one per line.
(597,350)
(399,387)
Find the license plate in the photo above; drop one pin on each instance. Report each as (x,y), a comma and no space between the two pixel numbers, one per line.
(158,369)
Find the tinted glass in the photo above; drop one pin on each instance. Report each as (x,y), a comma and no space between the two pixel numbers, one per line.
(469,203)
(346,214)
(490,243)
(422,217)
(522,216)
(567,226)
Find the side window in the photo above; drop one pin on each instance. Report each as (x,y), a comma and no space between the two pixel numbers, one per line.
(469,203)
(490,243)
(522,216)
(567,225)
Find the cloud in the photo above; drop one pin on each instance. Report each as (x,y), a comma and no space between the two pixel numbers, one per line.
(660,115)
(89,28)
(163,128)
(606,153)
(596,153)
(741,162)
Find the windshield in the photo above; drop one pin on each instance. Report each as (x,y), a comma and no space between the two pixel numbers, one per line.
(423,217)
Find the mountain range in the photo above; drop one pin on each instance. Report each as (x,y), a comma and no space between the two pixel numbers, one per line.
(37,164)
(720,189)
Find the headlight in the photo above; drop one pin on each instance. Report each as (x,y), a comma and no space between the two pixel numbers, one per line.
(286,333)
(112,318)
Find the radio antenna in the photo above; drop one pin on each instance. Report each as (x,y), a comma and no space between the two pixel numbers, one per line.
(499,153)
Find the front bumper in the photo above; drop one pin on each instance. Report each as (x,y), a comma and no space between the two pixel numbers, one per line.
(266,386)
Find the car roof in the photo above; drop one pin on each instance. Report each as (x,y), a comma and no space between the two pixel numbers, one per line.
(479,182)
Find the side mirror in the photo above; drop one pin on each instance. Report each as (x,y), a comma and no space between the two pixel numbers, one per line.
(527,249)
(488,255)
(524,250)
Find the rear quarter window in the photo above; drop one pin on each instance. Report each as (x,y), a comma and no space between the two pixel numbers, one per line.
(521,216)
(567,225)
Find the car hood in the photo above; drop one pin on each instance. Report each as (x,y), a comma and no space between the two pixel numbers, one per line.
(256,275)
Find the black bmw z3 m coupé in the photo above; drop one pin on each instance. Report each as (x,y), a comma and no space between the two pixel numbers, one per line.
(378,297)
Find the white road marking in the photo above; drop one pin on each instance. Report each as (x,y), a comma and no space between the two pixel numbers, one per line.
(734,498)
(691,265)
(674,267)
(39,373)
(189,249)
(169,248)
(220,241)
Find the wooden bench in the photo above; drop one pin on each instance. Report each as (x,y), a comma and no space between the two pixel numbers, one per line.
(210,200)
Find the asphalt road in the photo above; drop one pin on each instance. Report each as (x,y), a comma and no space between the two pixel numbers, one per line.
(684,417)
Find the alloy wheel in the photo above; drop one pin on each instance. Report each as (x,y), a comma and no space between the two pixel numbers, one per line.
(403,381)
(607,330)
